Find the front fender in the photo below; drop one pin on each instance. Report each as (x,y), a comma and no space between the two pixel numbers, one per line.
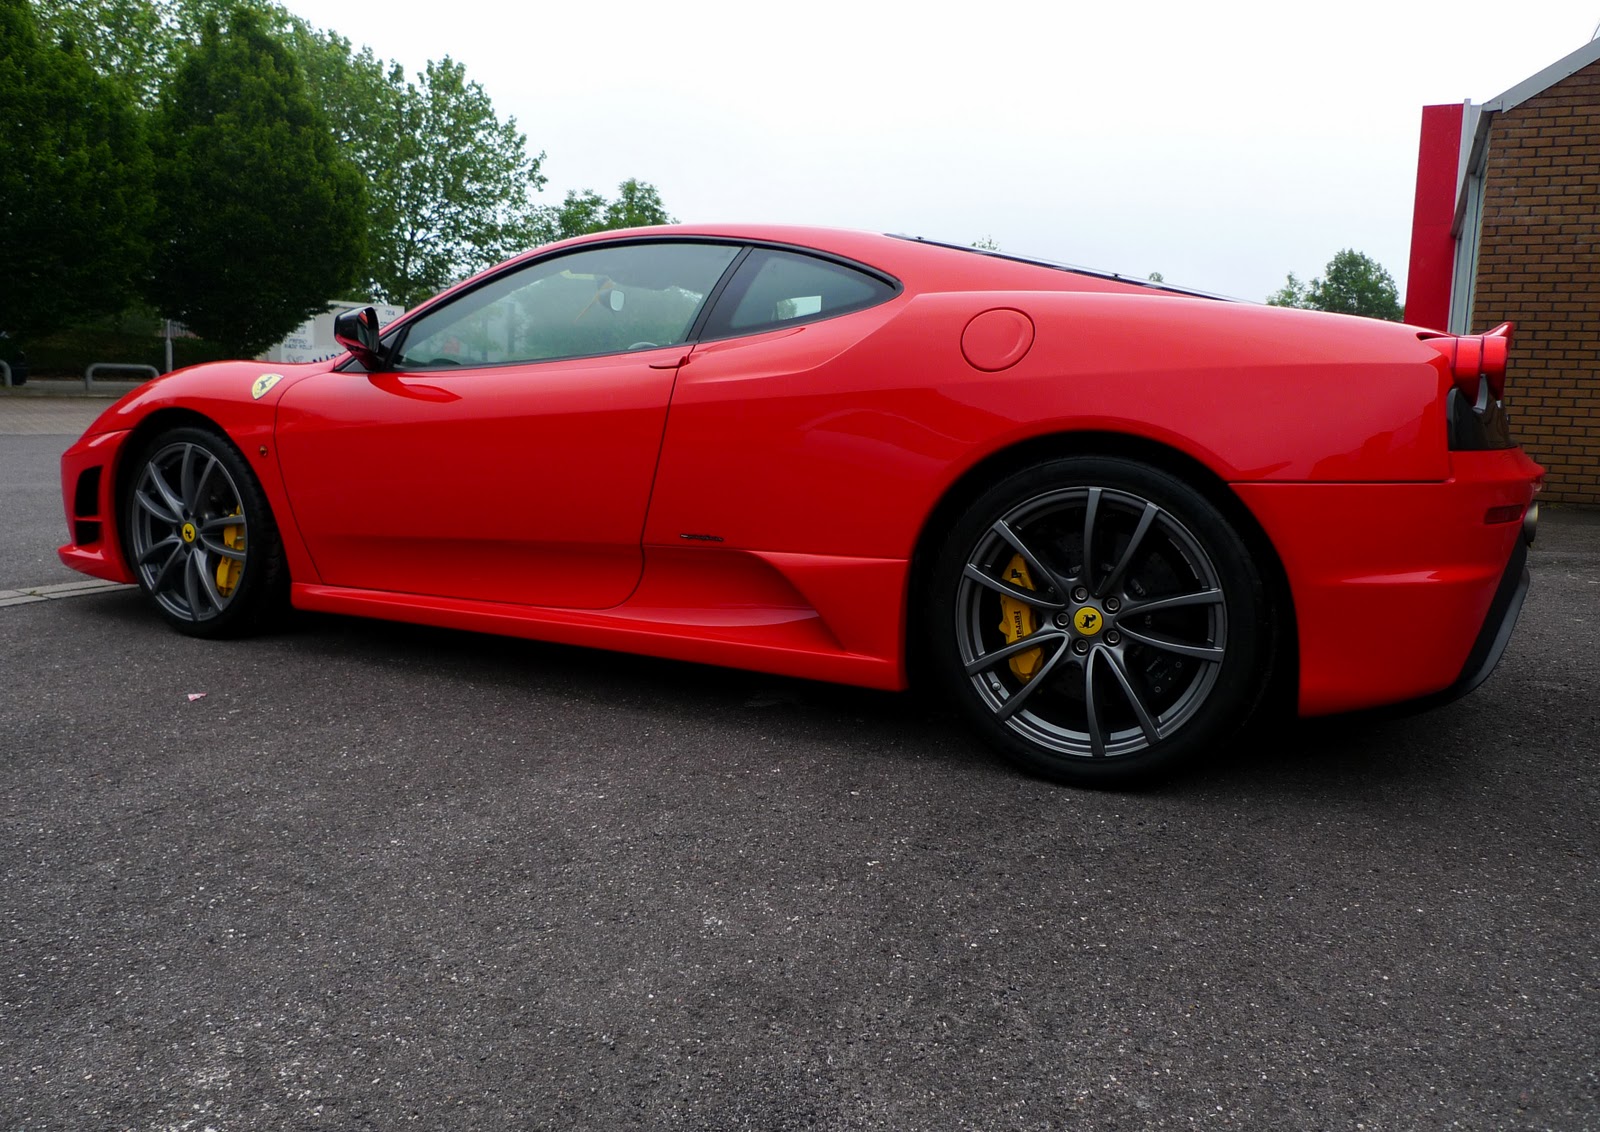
(238,398)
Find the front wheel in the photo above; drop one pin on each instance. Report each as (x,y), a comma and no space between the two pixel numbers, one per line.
(1099,620)
(200,537)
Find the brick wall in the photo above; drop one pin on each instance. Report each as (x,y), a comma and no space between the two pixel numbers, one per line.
(1539,266)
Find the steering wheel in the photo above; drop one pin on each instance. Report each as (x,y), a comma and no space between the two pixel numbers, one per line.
(643,346)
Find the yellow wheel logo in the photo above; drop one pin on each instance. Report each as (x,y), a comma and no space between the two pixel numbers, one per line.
(189,532)
(1088,621)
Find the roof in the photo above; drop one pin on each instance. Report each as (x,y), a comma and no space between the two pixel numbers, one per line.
(1547,78)
(1477,119)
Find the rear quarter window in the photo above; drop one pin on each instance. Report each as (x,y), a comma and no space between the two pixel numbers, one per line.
(774,288)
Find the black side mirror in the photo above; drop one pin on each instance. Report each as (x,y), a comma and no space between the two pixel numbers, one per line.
(357,331)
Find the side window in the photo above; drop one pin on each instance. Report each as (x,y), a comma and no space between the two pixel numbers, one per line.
(601,300)
(775,287)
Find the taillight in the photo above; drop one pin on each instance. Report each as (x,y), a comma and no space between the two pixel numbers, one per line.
(1476,360)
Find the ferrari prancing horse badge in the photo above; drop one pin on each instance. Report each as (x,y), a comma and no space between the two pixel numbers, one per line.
(263,383)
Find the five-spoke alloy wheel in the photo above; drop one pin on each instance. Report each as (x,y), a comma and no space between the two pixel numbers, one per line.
(199,534)
(1099,619)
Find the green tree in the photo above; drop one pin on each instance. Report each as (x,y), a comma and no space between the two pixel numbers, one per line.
(581,213)
(1291,294)
(456,189)
(353,89)
(452,187)
(260,220)
(75,183)
(141,41)
(638,205)
(128,40)
(1356,284)
(1352,283)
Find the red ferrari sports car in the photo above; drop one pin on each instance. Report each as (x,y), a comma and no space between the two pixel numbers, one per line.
(1109,519)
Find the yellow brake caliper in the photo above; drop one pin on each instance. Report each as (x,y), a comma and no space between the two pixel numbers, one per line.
(229,569)
(1020,621)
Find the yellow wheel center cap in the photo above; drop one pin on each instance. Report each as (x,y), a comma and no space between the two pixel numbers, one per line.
(1088,621)
(189,533)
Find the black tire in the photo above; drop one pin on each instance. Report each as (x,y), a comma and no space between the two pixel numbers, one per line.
(206,575)
(1144,659)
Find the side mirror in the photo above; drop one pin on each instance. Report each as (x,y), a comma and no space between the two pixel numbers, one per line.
(357,331)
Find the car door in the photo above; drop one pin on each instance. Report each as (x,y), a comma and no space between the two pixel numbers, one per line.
(506,451)
(776,432)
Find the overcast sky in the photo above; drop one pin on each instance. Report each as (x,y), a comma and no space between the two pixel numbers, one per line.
(1222,144)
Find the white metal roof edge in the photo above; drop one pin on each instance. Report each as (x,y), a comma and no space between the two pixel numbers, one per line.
(1547,78)
(1476,119)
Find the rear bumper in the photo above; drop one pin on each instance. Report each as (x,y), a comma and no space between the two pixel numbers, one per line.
(1495,634)
(1402,592)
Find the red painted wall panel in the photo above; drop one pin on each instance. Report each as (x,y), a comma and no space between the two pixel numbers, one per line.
(1432,249)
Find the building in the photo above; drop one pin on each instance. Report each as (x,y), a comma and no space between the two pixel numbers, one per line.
(1506,228)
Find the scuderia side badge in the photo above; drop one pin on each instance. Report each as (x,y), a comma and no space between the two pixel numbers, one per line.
(263,383)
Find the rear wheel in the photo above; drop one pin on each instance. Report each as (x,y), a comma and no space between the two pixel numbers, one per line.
(200,537)
(1099,620)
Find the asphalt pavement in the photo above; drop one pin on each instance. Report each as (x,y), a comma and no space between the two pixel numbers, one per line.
(359,875)
(34,431)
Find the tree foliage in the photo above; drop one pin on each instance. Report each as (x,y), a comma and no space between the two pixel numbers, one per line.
(75,182)
(140,42)
(452,186)
(259,218)
(127,40)
(638,205)
(456,183)
(456,190)
(352,89)
(1291,294)
(1352,283)
(583,211)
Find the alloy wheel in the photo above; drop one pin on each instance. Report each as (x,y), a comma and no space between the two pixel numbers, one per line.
(188,531)
(1091,622)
